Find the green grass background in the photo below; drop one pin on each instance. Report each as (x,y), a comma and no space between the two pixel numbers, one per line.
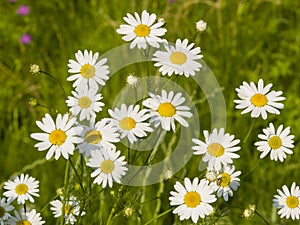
(245,41)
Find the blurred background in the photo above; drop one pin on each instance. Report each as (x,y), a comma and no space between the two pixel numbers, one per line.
(244,41)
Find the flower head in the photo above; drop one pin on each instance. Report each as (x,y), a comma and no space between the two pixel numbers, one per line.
(218,149)
(99,135)
(180,59)
(25,39)
(167,108)
(142,30)
(71,209)
(227,182)
(5,208)
(34,68)
(132,80)
(278,143)
(23,10)
(259,100)
(130,121)
(201,25)
(21,188)
(192,199)
(59,137)
(87,71)
(108,166)
(30,217)
(288,202)
(85,103)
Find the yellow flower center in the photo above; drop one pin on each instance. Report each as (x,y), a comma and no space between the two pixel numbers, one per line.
(215,149)
(107,166)
(127,123)
(87,71)
(21,189)
(2,212)
(192,199)
(166,109)
(57,137)
(225,180)
(84,102)
(142,30)
(292,202)
(68,209)
(93,137)
(259,100)
(23,222)
(178,58)
(275,142)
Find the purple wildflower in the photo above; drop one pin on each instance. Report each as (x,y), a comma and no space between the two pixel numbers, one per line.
(25,39)
(23,10)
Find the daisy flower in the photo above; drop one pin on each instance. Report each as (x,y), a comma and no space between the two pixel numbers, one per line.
(27,218)
(167,108)
(108,166)
(193,199)
(72,209)
(85,103)
(259,100)
(21,188)
(142,30)
(5,207)
(99,135)
(87,71)
(218,148)
(278,143)
(132,80)
(288,202)
(130,122)
(59,137)
(227,182)
(201,25)
(180,59)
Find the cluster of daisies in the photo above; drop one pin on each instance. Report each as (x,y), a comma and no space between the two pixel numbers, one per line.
(23,188)
(96,139)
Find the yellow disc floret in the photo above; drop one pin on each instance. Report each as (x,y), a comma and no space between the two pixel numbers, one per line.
(192,199)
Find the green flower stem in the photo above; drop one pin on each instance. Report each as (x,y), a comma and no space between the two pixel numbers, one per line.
(77,175)
(266,222)
(48,203)
(250,171)
(55,79)
(62,219)
(160,215)
(249,131)
(109,220)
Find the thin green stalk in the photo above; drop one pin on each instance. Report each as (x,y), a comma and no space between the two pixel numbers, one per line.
(77,175)
(256,165)
(109,220)
(48,203)
(266,222)
(128,149)
(56,80)
(249,131)
(160,215)
(65,190)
